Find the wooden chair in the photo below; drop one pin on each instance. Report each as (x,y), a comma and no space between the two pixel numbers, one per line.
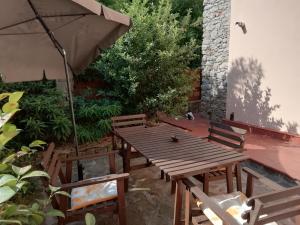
(237,208)
(231,137)
(96,195)
(123,122)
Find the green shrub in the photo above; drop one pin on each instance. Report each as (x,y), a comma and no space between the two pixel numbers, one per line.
(93,117)
(146,67)
(45,112)
(16,204)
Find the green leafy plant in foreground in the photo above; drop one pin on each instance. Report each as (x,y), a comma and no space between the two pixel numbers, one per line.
(14,179)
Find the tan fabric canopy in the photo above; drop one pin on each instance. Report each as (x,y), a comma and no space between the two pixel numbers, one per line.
(82,27)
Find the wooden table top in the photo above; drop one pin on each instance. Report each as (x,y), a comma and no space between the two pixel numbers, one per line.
(188,157)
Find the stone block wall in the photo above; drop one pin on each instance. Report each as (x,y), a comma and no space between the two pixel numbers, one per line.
(215,50)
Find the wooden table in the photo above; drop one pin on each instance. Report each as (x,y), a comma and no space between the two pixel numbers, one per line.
(188,156)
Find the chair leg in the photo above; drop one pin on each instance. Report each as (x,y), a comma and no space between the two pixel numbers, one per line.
(238,178)
(173,187)
(206,183)
(168,178)
(121,203)
(61,221)
(114,142)
(229,179)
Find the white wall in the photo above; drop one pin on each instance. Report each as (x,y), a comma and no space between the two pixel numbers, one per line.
(270,50)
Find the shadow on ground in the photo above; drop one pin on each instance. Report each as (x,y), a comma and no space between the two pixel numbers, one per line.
(149,201)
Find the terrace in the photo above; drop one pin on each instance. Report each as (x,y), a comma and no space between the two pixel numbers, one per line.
(171,112)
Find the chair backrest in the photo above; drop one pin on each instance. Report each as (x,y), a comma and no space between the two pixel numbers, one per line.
(227,135)
(128,121)
(264,209)
(274,206)
(52,165)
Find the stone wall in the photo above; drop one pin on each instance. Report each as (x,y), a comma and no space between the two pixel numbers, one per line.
(215,50)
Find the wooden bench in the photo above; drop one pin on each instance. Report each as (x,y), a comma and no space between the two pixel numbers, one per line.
(97,195)
(120,122)
(231,137)
(228,209)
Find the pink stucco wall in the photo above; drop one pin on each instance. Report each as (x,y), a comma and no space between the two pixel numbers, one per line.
(264,64)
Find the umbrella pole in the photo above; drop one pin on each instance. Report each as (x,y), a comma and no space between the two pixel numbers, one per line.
(79,166)
(64,55)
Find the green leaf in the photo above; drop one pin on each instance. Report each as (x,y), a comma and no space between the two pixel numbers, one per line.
(10,222)
(36,173)
(10,107)
(21,171)
(38,218)
(54,213)
(9,159)
(3,167)
(10,210)
(37,143)
(53,189)
(20,185)
(25,149)
(90,219)
(63,193)
(35,206)
(4,95)
(7,178)
(16,96)
(6,193)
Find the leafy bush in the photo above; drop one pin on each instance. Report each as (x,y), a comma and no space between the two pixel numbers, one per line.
(16,206)
(146,67)
(44,113)
(93,117)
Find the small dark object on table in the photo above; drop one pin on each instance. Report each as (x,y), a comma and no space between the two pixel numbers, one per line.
(174,138)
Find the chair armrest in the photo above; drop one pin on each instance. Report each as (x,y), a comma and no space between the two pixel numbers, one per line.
(95,180)
(201,196)
(90,156)
(252,174)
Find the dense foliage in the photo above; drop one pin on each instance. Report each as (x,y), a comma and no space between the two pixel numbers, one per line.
(16,179)
(93,117)
(146,68)
(45,112)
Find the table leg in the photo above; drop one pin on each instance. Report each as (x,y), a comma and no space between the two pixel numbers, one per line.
(126,162)
(229,179)
(239,177)
(187,214)
(178,203)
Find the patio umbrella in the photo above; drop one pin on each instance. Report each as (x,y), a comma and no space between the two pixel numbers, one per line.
(55,38)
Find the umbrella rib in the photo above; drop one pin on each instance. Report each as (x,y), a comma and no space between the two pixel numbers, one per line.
(68,15)
(17,24)
(77,18)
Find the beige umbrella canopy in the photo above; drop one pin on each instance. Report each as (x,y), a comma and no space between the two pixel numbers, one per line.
(81,27)
(54,37)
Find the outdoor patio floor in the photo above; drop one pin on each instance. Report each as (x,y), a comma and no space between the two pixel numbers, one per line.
(148,201)
(282,156)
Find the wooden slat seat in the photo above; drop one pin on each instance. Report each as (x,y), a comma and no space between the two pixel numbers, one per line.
(96,195)
(237,208)
(231,137)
